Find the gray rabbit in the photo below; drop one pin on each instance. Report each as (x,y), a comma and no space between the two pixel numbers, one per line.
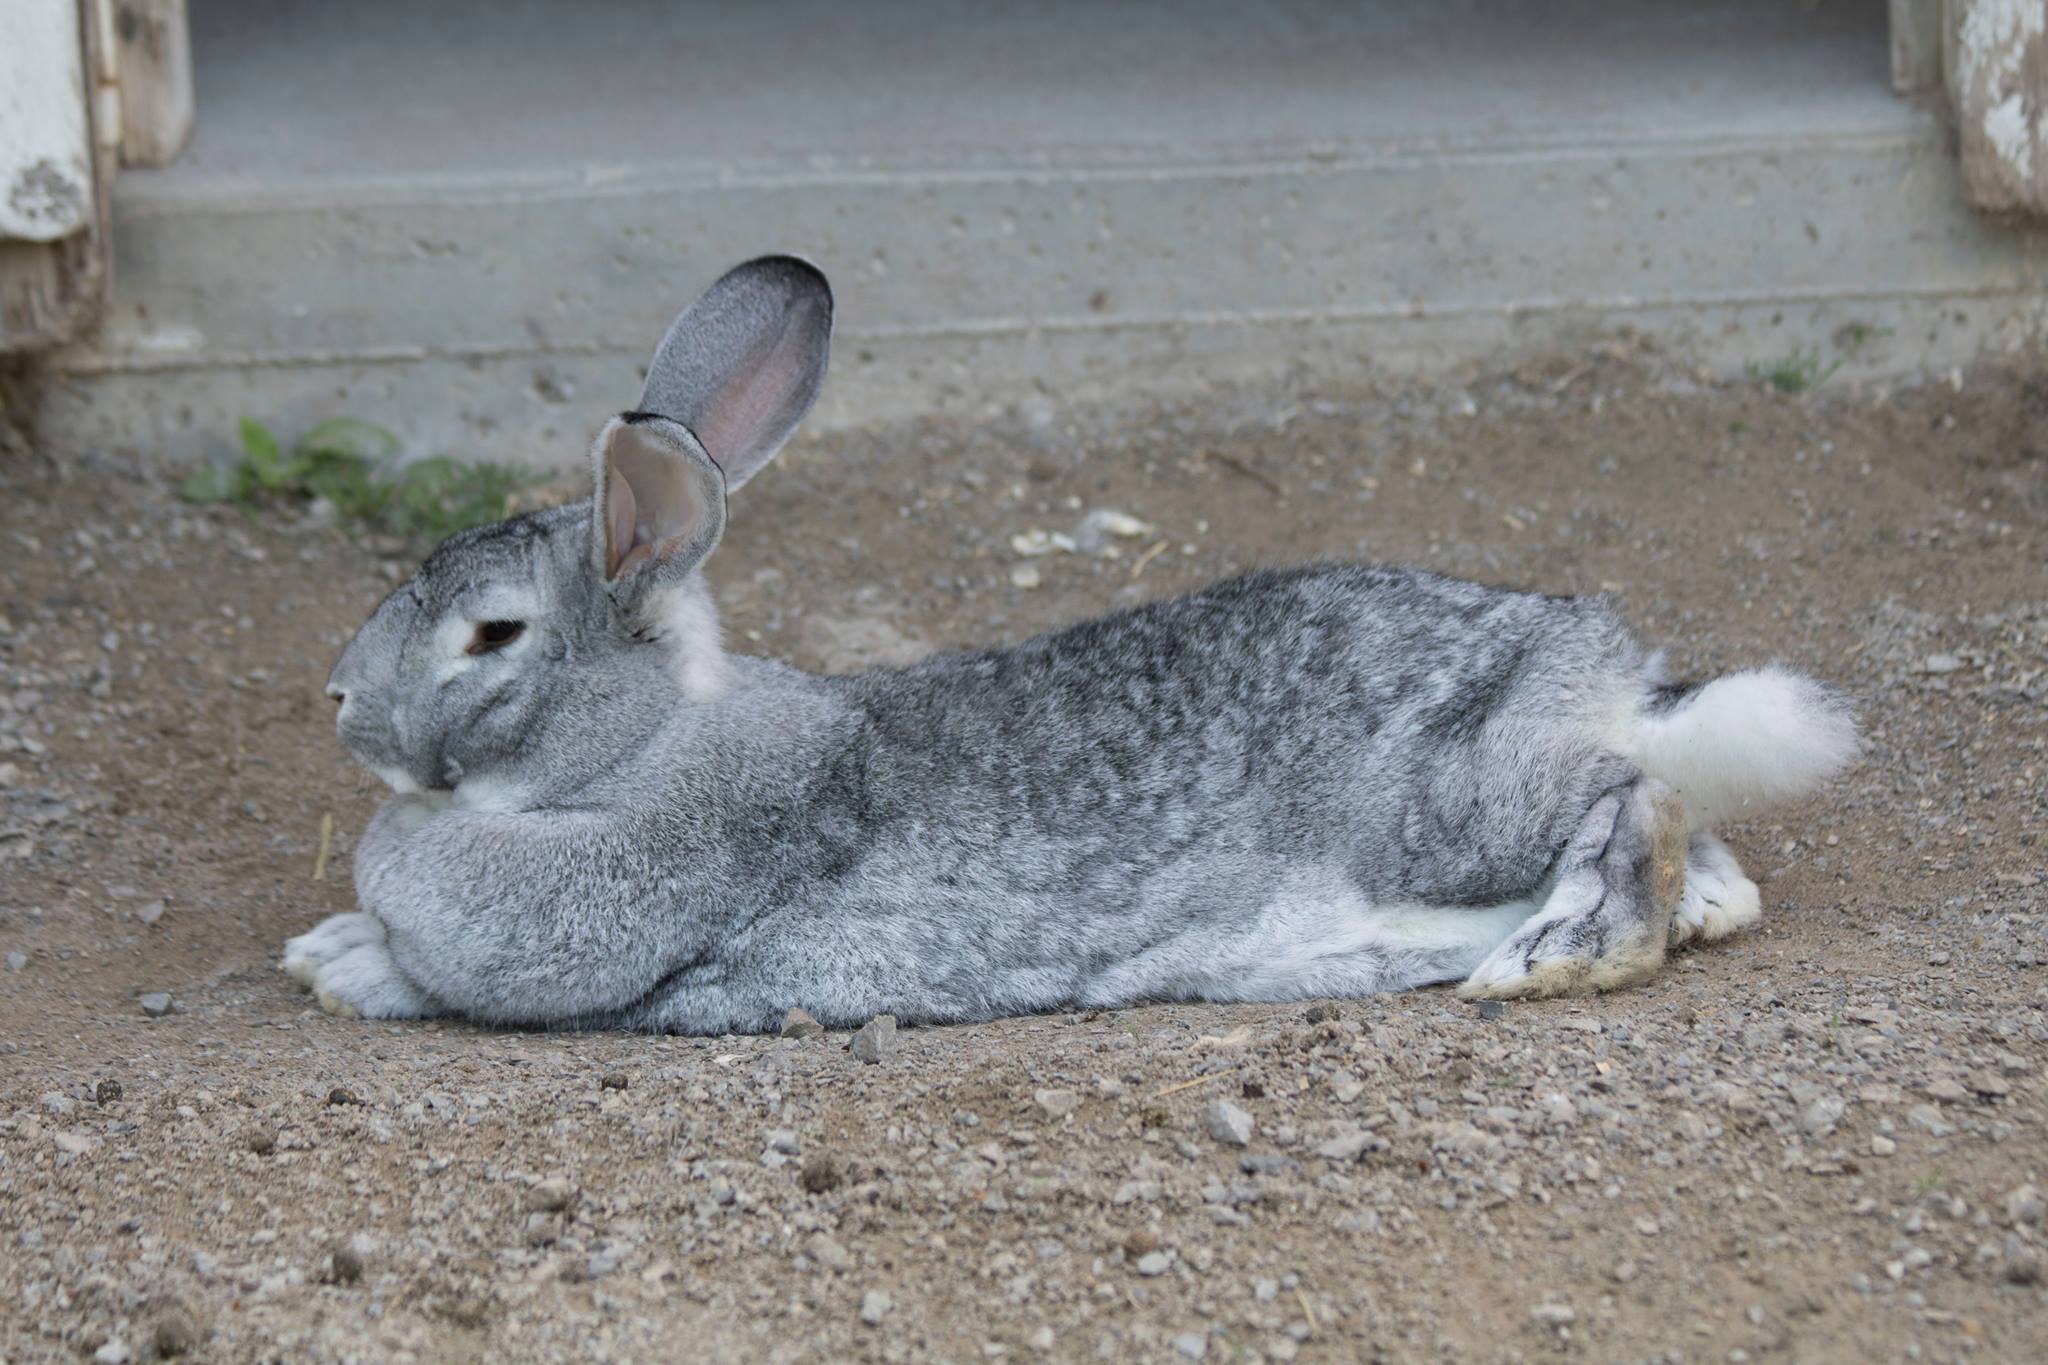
(1321,781)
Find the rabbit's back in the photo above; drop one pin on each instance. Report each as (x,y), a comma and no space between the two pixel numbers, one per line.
(1142,804)
(1021,814)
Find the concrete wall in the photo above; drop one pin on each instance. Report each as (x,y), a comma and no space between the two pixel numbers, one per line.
(473,232)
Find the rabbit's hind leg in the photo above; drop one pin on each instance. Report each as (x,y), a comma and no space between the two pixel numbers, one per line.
(1718,898)
(1608,916)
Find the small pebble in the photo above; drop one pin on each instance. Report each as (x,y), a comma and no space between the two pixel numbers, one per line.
(344,1264)
(177,1331)
(1820,1116)
(1947,1090)
(156,1004)
(1347,1146)
(799,1024)
(1988,1083)
(549,1196)
(821,1173)
(876,1041)
(874,1306)
(107,1092)
(1154,1263)
(613,1080)
(1054,1105)
(1227,1123)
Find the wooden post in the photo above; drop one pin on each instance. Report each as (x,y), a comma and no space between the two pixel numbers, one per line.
(56,157)
(154,44)
(1996,69)
(1916,45)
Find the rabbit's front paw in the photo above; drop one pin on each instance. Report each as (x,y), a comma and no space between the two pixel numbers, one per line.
(326,941)
(346,962)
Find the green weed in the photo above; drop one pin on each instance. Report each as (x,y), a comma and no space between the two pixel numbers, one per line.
(351,464)
(1795,373)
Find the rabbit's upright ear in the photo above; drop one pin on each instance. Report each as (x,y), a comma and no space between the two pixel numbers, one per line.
(742,364)
(657,511)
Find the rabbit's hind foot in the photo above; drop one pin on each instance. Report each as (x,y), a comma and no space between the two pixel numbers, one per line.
(1608,916)
(1718,898)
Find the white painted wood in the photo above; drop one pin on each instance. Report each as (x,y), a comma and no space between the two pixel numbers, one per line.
(1997,74)
(60,124)
(46,179)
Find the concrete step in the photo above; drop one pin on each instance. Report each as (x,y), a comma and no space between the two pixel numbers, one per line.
(470,222)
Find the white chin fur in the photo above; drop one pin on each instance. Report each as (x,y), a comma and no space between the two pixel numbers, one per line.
(396,779)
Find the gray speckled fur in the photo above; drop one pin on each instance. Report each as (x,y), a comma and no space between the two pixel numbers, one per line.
(998,832)
(1327,780)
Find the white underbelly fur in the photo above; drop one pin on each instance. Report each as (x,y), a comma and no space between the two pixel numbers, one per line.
(1316,936)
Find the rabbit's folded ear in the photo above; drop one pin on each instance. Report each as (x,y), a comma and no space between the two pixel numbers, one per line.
(658,509)
(741,366)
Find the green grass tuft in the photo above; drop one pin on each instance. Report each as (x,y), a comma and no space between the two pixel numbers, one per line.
(352,465)
(1795,373)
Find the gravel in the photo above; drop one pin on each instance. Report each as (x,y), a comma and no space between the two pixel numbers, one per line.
(1775,1122)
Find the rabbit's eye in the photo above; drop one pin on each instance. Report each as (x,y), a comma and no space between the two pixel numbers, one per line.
(492,635)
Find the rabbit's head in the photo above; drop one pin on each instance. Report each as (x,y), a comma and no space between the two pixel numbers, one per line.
(534,653)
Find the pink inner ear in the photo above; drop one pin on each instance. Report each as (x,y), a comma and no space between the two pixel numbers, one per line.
(620,512)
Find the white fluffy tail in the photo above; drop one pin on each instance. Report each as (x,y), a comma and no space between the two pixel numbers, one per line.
(1744,742)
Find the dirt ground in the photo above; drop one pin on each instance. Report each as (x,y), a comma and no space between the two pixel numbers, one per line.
(1823,1140)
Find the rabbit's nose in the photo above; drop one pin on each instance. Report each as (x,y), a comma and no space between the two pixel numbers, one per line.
(336,695)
